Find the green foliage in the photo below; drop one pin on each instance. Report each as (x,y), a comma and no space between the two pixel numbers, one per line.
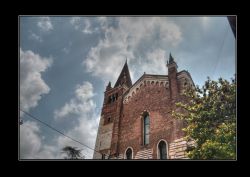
(210,115)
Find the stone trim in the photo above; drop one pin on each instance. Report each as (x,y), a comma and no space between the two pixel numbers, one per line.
(144,154)
(177,149)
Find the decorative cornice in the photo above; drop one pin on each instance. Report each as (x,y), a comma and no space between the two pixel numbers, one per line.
(153,80)
(146,80)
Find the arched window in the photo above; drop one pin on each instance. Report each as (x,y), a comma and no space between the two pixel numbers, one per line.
(162,150)
(146,123)
(129,153)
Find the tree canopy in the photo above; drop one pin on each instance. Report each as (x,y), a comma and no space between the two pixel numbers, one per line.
(210,117)
(72,152)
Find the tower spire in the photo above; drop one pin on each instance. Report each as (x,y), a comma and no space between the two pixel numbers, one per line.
(108,86)
(172,77)
(124,76)
(171,62)
(171,59)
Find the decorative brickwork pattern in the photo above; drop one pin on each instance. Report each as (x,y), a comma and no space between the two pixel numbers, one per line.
(121,124)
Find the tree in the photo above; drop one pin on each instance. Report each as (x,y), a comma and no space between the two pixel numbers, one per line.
(210,117)
(72,152)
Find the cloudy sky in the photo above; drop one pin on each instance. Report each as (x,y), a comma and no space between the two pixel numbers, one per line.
(66,62)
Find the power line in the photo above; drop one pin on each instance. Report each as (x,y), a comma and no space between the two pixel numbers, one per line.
(220,50)
(37,157)
(58,130)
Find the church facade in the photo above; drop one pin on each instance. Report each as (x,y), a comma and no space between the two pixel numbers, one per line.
(136,120)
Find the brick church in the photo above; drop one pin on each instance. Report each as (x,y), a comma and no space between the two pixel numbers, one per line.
(136,121)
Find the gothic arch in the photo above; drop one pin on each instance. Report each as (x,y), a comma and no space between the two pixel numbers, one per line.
(145,112)
(145,127)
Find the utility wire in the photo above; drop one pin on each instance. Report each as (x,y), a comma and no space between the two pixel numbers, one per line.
(220,49)
(58,130)
(37,157)
(85,155)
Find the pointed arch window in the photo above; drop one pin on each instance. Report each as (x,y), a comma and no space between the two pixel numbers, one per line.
(146,124)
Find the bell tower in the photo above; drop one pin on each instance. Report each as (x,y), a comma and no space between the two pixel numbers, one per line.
(108,131)
(172,75)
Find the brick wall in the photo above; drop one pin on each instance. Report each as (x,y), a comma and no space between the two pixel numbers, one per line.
(152,94)
(155,99)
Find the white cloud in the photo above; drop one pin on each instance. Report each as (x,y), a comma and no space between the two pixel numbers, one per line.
(87,27)
(35,37)
(84,132)
(83,107)
(133,37)
(83,24)
(32,86)
(75,21)
(155,62)
(45,24)
(31,143)
(103,22)
(80,103)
